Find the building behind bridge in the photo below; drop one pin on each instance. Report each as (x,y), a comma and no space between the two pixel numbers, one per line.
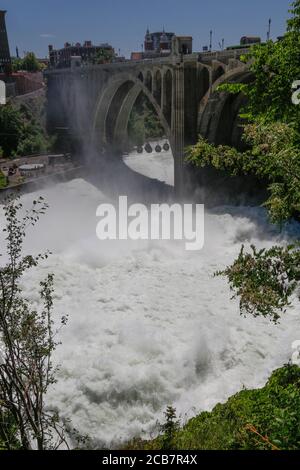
(161,44)
(88,53)
(158,43)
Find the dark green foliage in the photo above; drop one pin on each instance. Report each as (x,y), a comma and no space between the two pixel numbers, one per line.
(262,419)
(104,56)
(264,280)
(17,64)
(273,154)
(3,180)
(11,129)
(276,65)
(28,340)
(144,123)
(294,22)
(29,63)
(169,428)
(21,133)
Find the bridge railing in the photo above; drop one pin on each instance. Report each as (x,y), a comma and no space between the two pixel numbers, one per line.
(113,65)
(231,54)
(126,64)
(200,57)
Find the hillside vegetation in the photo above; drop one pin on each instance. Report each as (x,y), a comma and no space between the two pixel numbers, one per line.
(262,419)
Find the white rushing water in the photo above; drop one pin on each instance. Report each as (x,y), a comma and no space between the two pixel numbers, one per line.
(149,325)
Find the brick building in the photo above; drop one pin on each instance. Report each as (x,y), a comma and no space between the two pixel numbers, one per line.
(162,44)
(61,58)
(158,43)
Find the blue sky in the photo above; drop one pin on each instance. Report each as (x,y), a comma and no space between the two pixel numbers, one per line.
(33,24)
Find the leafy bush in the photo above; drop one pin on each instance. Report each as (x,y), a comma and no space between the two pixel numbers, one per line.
(21,133)
(27,343)
(262,419)
(144,123)
(3,180)
(29,63)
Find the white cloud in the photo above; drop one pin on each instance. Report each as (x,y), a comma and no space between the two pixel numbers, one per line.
(46,35)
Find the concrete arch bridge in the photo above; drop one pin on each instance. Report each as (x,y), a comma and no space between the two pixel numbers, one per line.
(96,101)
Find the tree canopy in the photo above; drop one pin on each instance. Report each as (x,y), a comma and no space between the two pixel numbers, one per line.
(29,63)
(20,132)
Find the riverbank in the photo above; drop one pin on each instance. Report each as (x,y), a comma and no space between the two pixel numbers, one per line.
(261,419)
(40,182)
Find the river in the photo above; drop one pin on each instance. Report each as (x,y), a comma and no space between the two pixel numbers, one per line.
(149,325)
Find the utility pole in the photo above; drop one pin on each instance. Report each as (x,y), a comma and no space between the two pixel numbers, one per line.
(269,30)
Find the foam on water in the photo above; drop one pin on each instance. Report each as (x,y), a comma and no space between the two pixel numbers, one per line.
(149,325)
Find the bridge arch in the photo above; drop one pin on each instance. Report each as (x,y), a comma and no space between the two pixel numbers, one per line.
(167,96)
(218,114)
(218,72)
(113,109)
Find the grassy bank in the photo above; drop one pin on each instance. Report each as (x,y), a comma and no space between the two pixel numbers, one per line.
(262,419)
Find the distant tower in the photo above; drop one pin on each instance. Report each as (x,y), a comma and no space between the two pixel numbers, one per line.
(269,30)
(5,60)
(164,41)
(210,40)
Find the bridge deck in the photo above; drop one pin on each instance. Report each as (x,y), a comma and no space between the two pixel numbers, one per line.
(205,57)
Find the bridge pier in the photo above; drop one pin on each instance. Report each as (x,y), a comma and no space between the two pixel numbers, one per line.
(177,128)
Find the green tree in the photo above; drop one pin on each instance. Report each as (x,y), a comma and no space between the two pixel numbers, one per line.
(273,154)
(17,64)
(28,340)
(11,129)
(294,22)
(276,66)
(30,63)
(21,133)
(104,56)
(137,129)
(144,123)
(169,428)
